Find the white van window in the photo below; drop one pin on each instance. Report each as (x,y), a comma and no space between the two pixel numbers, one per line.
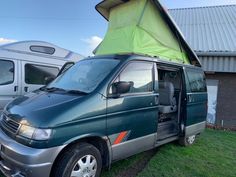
(141,74)
(42,49)
(6,72)
(38,74)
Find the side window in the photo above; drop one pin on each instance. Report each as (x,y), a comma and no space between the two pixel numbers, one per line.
(197,82)
(6,72)
(37,74)
(141,74)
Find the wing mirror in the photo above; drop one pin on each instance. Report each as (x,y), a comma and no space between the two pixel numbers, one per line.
(121,88)
(48,80)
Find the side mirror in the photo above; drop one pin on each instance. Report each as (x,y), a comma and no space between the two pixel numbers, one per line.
(121,87)
(11,70)
(47,80)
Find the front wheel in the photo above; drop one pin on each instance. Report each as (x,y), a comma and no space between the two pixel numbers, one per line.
(82,160)
(187,141)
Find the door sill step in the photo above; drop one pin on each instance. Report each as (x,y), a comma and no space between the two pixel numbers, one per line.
(166,136)
(166,140)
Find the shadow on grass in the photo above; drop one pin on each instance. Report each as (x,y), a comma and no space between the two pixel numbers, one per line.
(130,167)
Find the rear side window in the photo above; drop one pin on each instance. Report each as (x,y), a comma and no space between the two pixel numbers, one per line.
(42,49)
(38,75)
(141,74)
(6,72)
(197,82)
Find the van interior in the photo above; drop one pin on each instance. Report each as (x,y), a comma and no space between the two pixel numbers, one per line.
(170,93)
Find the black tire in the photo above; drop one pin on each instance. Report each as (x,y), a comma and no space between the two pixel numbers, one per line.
(184,141)
(68,160)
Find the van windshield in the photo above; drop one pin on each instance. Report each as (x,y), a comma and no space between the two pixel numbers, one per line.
(85,75)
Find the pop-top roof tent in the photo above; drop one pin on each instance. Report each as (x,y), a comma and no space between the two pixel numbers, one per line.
(143,27)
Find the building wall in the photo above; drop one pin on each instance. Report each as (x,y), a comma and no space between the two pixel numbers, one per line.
(226,99)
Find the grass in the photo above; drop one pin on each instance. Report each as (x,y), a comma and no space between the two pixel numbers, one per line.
(119,166)
(213,155)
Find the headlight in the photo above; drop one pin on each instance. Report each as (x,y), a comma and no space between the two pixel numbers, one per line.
(26,131)
(35,133)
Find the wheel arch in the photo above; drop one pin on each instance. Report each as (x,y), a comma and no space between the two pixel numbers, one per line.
(102,143)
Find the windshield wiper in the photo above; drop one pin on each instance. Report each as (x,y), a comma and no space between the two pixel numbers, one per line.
(76,92)
(51,89)
(42,88)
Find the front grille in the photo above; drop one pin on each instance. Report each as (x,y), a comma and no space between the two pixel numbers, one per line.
(9,125)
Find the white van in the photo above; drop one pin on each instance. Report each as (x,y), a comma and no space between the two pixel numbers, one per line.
(28,65)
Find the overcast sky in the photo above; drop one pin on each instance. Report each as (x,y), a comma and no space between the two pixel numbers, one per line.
(72,24)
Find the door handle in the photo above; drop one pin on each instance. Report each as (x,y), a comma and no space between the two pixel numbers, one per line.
(157,100)
(26,89)
(15,88)
(190,98)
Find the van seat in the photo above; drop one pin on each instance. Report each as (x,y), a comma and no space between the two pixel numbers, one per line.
(166,97)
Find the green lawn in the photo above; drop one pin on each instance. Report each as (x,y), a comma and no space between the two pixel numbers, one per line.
(213,155)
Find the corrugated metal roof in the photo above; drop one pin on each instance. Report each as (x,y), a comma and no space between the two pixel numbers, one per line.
(218,64)
(208,29)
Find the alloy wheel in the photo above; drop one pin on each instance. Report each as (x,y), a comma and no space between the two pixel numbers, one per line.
(191,139)
(86,166)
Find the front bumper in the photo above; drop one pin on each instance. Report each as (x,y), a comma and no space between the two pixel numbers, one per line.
(18,160)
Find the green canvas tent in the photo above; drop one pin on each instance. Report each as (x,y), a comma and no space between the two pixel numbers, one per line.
(143,27)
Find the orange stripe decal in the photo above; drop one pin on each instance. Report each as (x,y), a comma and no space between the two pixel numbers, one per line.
(120,137)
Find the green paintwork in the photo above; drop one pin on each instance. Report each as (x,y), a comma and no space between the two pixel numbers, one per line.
(66,114)
(73,116)
(197,110)
(143,32)
(139,114)
(196,106)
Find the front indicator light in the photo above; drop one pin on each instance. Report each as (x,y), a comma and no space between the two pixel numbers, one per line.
(42,134)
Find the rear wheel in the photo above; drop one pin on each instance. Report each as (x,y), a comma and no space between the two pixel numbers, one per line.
(187,141)
(82,160)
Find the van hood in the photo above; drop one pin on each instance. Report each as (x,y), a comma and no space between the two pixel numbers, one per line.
(41,109)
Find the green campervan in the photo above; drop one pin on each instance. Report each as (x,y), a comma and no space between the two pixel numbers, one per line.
(143,88)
